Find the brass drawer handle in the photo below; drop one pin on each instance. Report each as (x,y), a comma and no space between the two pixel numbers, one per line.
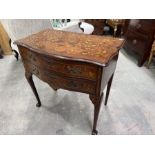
(74,70)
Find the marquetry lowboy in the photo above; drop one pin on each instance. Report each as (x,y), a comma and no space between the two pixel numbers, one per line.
(71,61)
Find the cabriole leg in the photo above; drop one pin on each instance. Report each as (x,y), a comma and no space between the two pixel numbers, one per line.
(108,89)
(31,83)
(97,104)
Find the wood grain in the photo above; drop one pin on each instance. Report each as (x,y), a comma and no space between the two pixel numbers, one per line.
(68,45)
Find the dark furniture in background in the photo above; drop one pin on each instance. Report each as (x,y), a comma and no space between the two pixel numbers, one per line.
(139,36)
(98,25)
(72,61)
(125,26)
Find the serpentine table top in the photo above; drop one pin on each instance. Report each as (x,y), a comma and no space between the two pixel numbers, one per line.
(95,49)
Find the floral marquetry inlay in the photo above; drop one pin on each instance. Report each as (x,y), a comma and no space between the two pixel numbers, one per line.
(96,49)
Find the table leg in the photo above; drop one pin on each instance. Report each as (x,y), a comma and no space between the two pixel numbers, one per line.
(29,78)
(108,89)
(115,30)
(16,53)
(150,58)
(97,104)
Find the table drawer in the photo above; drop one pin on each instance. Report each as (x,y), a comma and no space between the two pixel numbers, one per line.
(58,81)
(73,84)
(72,69)
(67,68)
(136,41)
(142,26)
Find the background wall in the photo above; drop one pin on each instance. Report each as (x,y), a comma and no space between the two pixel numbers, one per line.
(19,28)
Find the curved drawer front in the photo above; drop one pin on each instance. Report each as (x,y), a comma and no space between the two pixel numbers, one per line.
(67,68)
(61,82)
(70,83)
(72,69)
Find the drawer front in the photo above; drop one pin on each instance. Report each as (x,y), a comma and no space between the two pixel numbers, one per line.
(70,83)
(61,82)
(143,26)
(136,41)
(72,69)
(147,26)
(66,68)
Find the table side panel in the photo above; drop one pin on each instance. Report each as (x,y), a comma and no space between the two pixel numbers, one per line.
(107,72)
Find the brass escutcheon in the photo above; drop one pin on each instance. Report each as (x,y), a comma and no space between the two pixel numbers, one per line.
(74,70)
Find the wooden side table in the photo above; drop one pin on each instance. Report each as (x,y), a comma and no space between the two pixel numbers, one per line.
(71,61)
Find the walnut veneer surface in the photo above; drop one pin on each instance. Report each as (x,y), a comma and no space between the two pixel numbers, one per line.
(71,61)
(96,49)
